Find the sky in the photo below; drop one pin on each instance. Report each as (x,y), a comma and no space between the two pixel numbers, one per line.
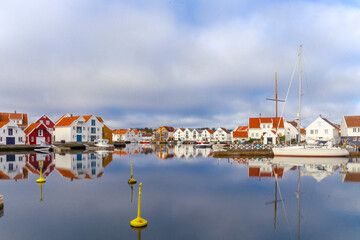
(181,63)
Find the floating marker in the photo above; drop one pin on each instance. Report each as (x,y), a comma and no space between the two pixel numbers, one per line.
(41,179)
(132,180)
(139,222)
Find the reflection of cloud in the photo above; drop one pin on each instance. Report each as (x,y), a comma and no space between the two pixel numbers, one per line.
(164,63)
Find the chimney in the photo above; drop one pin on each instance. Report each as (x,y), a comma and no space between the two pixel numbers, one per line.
(259,115)
(71,115)
(15,111)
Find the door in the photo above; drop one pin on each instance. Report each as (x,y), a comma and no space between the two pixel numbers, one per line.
(10,140)
(78,138)
(40,140)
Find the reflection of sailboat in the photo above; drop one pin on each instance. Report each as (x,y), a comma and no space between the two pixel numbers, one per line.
(307,150)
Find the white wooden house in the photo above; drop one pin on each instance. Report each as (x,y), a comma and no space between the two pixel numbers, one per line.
(124,135)
(11,133)
(179,134)
(322,130)
(207,135)
(78,128)
(258,127)
(350,129)
(222,135)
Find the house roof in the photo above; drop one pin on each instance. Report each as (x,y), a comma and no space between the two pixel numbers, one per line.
(3,123)
(352,121)
(210,131)
(332,124)
(302,130)
(255,122)
(293,123)
(182,129)
(225,130)
(66,173)
(120,131)
(241,128)
(240,134)
(15,116)
(31,127)
(66,121)
(147,134)
(169,129)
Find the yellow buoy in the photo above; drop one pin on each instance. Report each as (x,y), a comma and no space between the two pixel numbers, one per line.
(139,222)
(132,180)
(41,179)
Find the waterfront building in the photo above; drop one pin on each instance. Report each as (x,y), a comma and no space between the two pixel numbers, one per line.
(37,133)
(322,130)
(11,134)
(179,134)
(259,126)
(21,119)
(350,129)
(240,134)
(107,134)
(207,135)
(71,128)
(164,133)
(222,135)
(124,135)
(146,137)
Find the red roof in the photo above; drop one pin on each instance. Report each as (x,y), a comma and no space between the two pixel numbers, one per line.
(241,128)
(240,134)
(255,122)
(15,116)
(352,121)
(31,127)
(3,123)
(66,121)
(210,131)
(120,131)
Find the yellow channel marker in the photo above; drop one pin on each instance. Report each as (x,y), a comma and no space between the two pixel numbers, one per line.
(132,180)
(139,222)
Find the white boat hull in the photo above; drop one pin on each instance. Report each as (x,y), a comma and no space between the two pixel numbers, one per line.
(301,151)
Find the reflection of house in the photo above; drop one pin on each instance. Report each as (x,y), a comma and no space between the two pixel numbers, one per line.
(163,151)
(78,128)
(37,133)
(82,165)
(264,169)
(350,129)
(323,130)
(21,119)
(12,167)
(164,133)
(33,160)
(351,171)
(11,134)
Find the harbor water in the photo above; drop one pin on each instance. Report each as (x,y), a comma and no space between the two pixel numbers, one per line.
(186,194)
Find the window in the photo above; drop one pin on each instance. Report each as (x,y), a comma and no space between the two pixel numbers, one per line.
(32,139)
(0,139)
(73,127)
(10,132)
(41,121)
(20,139)
(78,130)
(79,165)
(47,122)
(93,122)
(316,131)
(311,131)
(41,132)
(326,131)
(354,129)
(93,130)
(79,157)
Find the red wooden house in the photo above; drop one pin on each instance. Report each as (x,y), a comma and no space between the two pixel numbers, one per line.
(32,163)
(37,133)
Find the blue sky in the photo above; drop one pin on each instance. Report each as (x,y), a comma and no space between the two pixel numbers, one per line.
(180,63)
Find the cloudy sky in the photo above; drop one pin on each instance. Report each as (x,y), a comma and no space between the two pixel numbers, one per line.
(183,63)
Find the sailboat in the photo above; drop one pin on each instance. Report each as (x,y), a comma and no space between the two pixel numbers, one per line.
(308,150)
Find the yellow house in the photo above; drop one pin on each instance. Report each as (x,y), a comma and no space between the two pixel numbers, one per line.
(164,133)
(107,133)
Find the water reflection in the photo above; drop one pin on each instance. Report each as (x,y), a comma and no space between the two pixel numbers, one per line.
(12,167)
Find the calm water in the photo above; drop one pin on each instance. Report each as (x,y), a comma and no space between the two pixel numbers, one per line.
(187,194)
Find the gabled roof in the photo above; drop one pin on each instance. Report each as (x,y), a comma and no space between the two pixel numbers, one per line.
(15,116)
(225,130)
(241,128)
(352,121)
(3,123)
(120,131)
(240,134)
(169,129)
(182,129)
(210,131)
(332,124)
(66,121)
(255,122)
(31,128)
(294,123)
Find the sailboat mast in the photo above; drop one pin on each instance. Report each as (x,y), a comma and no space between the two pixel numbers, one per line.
(299,95)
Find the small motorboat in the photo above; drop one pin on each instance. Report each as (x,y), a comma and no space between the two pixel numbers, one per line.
(43,147)
(203,145)
(103,143)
